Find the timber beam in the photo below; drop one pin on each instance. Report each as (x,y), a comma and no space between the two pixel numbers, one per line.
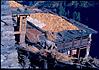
(17,32)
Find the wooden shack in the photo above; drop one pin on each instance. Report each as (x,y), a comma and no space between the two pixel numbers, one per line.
(68,36)
(50,31)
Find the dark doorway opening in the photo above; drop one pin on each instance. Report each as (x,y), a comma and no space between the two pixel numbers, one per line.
(17,38)
(82,52)
(16,28)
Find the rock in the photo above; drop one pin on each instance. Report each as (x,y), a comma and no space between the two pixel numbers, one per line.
(3,51)
(7,33)
(6,50)
(8,38)
(8,17)
(10,49)
(8,22)
(8,43)
(6,63)
(7,28)
(2,58)
(16,65)
(2,24)
(2,66)
(5,12)
(13,55)
(11,62)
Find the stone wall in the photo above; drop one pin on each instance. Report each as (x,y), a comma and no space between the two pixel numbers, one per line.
(9,56)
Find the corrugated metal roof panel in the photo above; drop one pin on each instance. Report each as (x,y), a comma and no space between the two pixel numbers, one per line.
(33,35)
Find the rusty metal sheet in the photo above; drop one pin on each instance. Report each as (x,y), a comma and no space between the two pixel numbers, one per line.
(33,35)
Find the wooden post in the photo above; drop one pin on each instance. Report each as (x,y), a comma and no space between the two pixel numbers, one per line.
(88,47)
(22,30)
(21,22)
(87,51)
(78,53)
(17,32)
(90,38)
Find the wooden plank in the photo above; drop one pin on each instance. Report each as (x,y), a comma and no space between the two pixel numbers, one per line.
(78,53)
(20,24)
(83,47)
(87,51)
(22,30)
(60,56)
(32,49)
(17,32)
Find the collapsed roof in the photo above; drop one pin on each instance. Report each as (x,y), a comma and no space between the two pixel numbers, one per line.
(52,23)
(48,22)
(59,29)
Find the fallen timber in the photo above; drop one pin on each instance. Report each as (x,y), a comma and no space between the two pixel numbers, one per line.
(43,52)
(59,57)
(38,56)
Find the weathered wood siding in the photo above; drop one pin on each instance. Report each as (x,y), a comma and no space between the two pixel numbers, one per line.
(63,47)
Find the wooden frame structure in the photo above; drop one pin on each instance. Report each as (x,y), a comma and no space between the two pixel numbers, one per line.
(22,29)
